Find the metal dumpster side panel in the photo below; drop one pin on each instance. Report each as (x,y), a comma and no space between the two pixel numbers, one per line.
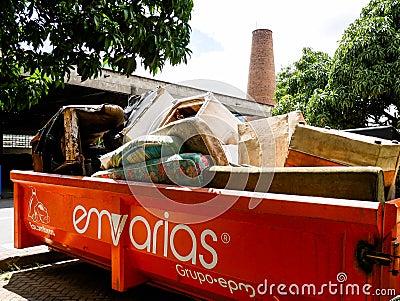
(391,244)
(291,241)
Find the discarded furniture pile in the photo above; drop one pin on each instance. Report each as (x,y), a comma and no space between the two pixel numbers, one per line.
(198,142)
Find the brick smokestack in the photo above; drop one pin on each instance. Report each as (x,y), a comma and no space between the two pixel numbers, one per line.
(261,84)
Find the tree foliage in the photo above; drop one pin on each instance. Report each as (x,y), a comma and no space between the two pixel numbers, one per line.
(41,41)
(364,79)
(363,83)
(298,84)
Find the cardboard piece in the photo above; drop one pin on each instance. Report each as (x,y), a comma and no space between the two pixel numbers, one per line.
(265,142)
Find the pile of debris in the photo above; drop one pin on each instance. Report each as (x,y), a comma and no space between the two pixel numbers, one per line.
(197,142)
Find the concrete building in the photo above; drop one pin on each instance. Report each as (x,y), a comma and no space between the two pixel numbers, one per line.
(135,85)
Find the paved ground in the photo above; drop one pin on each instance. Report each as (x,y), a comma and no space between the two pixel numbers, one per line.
(6,221)
(53,279)
(73,280)
(8,254)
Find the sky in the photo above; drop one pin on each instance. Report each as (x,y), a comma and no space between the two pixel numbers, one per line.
(222,32)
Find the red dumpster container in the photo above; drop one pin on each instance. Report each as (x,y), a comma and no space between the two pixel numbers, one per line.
(286,248)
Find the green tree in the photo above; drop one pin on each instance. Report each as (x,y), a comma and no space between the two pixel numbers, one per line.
(41,41)
(297,85)
(364,82)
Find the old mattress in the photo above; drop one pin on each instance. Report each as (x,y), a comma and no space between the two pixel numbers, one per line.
(355,183)
(142,149)
(182,169)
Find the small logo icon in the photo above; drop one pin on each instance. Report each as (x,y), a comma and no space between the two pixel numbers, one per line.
(226,238)
(341,277)
(37,211)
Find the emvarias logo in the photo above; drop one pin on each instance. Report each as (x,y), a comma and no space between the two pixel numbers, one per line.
(39,215)
(117,222)
(37,211)
(158,237)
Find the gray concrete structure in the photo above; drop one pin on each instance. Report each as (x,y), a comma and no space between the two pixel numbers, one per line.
(116,83)
(110,87)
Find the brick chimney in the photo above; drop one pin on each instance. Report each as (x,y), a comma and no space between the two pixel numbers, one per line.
(261,84)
